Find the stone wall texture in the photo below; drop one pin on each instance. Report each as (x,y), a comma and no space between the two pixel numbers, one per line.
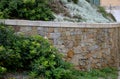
(85,45)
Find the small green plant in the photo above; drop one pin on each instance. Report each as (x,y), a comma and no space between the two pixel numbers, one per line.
(102,10)
(104,73)
(2,70)
(105,14)
(32,75)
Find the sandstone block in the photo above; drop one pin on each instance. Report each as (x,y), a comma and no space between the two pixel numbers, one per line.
(70,53)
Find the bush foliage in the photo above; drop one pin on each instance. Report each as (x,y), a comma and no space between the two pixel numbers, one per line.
(32,53)
(25,9)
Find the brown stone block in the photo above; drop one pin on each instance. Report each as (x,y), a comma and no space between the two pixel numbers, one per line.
(82,67)
(63,37)
(93,65)
(48,35)
(63,30)
(85,30)
(70,53)
(84,49)
(76,43)
(104,65)
(50,30)
(103,56)
(77,36)
(97,55)
(60,30)
(68,29)
(34,31)
(16,28)
(91,36)
(88,55)
(68,37)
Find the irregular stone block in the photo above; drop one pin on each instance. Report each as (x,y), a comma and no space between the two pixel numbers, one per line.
(70,53)
(55,35)
(94,47)
(69,44)
(25,28)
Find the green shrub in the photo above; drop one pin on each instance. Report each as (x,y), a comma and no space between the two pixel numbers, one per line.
(32,53)
(51,68)
(10,57)
(25,9)
(6,35)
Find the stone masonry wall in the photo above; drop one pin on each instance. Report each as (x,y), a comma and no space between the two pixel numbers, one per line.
(85,45)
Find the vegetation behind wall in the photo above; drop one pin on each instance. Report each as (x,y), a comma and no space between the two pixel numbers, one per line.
(25,9)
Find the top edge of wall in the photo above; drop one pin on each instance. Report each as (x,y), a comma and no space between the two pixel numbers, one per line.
(58,24)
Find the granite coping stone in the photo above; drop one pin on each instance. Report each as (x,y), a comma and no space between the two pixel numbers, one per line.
(58,24)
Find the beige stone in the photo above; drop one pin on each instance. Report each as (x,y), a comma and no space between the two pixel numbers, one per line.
(25,28)
(34,31)
(75,60)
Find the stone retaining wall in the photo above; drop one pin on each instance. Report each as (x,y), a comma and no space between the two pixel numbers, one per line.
(85,45)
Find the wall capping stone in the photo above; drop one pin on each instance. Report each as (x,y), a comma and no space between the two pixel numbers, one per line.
(57,24)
